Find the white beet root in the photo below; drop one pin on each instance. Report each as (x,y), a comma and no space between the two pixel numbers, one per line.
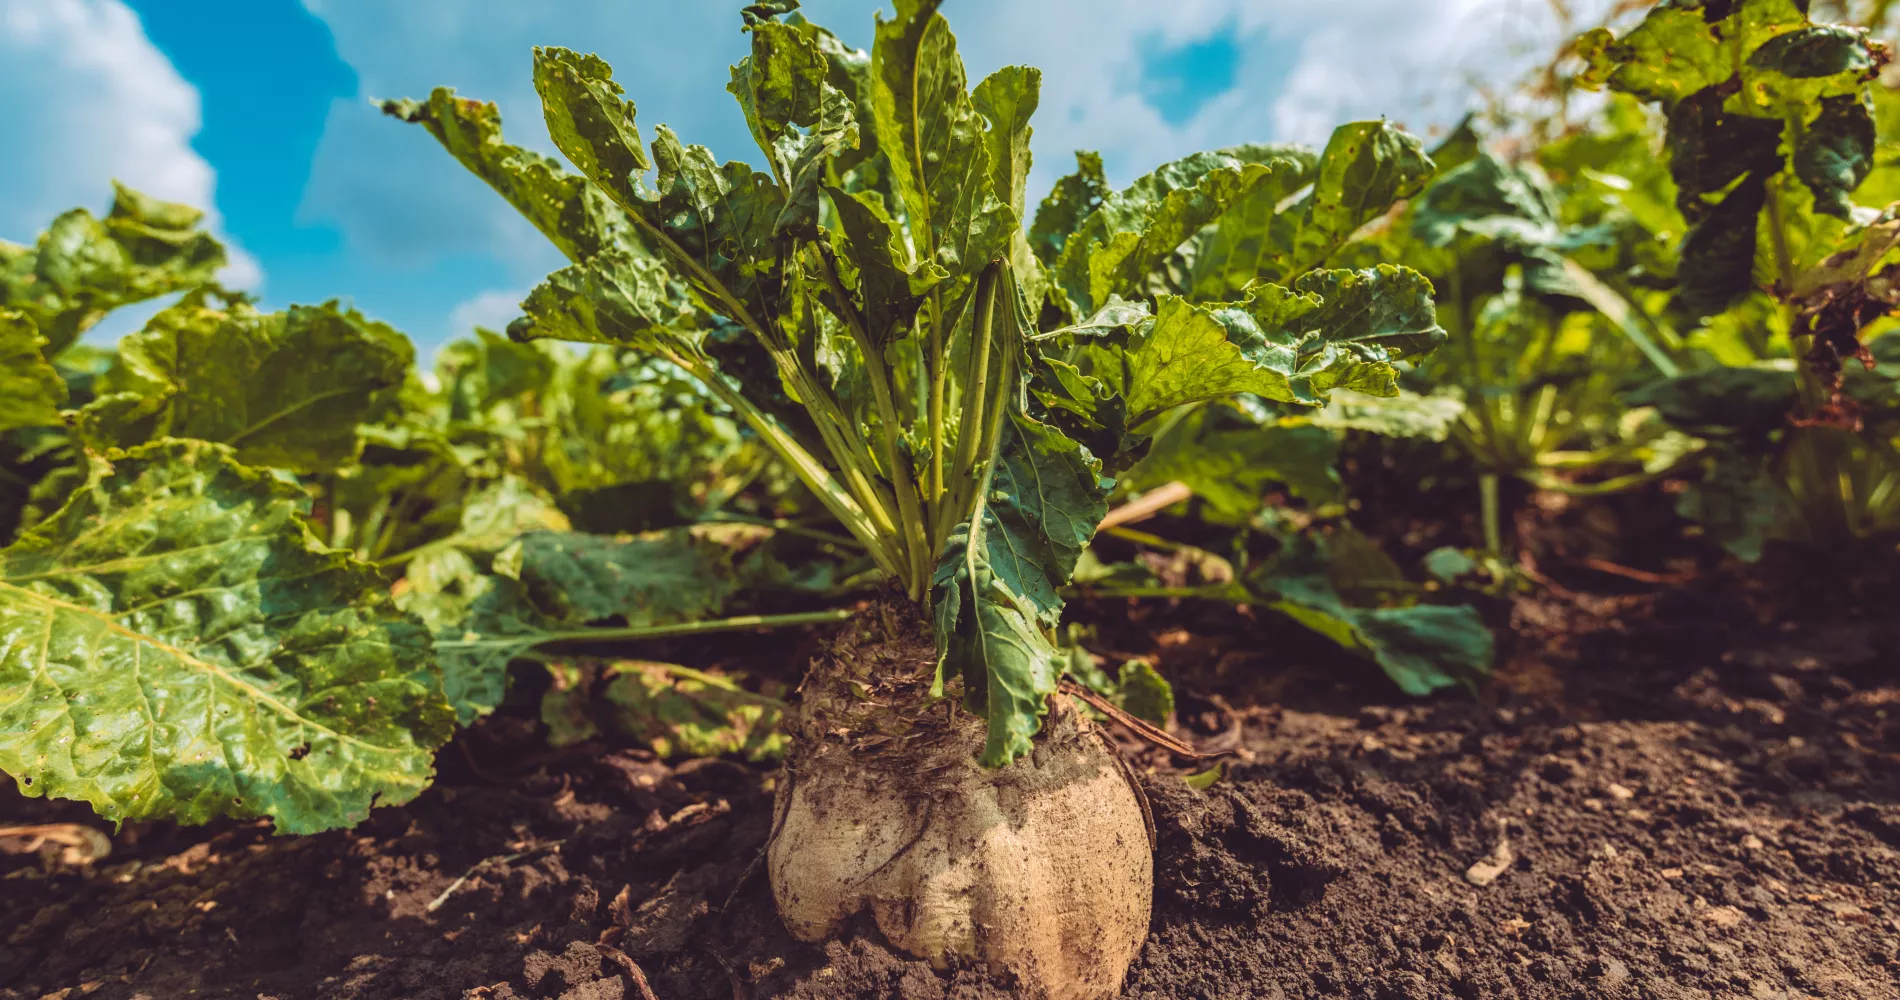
(1043,870)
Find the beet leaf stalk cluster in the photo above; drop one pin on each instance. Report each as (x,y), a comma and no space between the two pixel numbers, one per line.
(954,386)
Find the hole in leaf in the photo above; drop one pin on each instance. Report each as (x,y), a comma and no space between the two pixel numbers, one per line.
(299,753)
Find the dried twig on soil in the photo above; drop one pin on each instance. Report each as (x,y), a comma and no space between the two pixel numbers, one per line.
(1140,728)
(1639,575)
(1528,566)
(634,972)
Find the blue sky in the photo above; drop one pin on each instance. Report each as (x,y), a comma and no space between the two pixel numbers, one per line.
(259,111)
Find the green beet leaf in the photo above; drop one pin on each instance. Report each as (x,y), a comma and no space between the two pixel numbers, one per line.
(995,586)
(1133,232)
(1231,456)
(1367,166)
(1487,199)
(1406,415)
(1073,199)
(1836,153)
(285,389)
(83,267)
(1317,581)
(174,644)
(715,224)
(1733,78)
(797,117)
(933,136)
(657,579)
(576,216)
(615,297)
(31,390)
(451,581)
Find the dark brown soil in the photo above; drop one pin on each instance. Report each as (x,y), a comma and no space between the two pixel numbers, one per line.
(1662,798)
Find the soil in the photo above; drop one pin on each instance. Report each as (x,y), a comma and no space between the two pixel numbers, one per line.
(1670,791)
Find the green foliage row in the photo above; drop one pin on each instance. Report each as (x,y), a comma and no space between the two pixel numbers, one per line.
(260,564)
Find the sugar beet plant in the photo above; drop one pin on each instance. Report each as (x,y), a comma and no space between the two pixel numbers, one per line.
(958,390)
(1780,147)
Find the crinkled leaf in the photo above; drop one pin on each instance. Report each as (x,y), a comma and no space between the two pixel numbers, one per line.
(31,390)
(1426,647)
(445,578)
(589,119)
(1836,153)
(890,287)
(1743,402)
(1818,50)
(83,267)
(478,374)
(1230,458)
(1462,145)
(757,13)
(285,389)
(1144,693)
(1248,242)
(613,298)
(451,586)
(576,216)
(1124,265)
(1711,147)
(1683,47)
(1142,224)
(514,577)
(174,644)
(493,518)
(1007,99)
(930,130)
(715,223)
(799,120)
(1367,166)
(995,585)
(1490,200)
(1422,648)
(1334,329)
(567,704)
(654,579)
(1718,254)
(1073,199)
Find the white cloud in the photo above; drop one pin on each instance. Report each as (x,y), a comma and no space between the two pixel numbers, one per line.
(90,99)
(491,310)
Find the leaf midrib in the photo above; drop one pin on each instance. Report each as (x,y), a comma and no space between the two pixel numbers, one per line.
(204,666)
